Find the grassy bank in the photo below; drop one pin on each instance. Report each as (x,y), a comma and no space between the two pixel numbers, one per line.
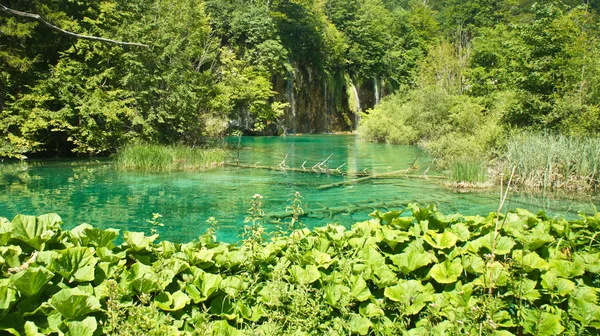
(419,273)
(553,161)
(161,158)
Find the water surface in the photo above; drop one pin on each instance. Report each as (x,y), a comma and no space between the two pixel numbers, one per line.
(94,192)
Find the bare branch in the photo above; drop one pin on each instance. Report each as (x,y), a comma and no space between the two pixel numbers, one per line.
(39,18)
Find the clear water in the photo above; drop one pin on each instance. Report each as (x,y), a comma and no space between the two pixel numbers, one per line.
(95,193)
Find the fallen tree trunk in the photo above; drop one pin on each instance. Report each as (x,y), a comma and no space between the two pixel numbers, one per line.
(393,174)
(334,172)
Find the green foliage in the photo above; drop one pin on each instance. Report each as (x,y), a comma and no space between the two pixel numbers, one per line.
(160,158)
(414,271)
(450,127)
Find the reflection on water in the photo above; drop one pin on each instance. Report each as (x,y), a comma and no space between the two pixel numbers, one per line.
(93,192)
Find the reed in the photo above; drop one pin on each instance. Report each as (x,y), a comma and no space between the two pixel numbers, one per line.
(161,158)
(467,171)
(546,161)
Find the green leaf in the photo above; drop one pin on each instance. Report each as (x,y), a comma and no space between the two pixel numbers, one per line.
(440,240)
(75,264)
(222,328)
(370,310)
(73,303)
(32,280)
(143,279)
(35,231)
(360,325)
(411,260)
(171,302)
(567,269)
(137,241)
(394,237)
(5,231)
(7,296)
(87,327)
(359,289)
(461,231)
(334,293)
(446,272)
(541,323)
(86,235)
(233,285)
(383,276)
(531,261)
(10,255)
(412,294)
(305,276)
(31,329)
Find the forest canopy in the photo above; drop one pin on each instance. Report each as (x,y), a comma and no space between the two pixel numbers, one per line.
(287,66)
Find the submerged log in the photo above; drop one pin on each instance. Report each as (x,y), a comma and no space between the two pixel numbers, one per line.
(326,171)
(393,174)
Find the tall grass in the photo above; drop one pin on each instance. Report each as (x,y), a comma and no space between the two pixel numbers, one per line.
(468,171)
(160,158)
(545,161)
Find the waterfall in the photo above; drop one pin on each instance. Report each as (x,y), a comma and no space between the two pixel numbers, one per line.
(382,94)
(357,101)
(291,98)
(376,90)
(327,113)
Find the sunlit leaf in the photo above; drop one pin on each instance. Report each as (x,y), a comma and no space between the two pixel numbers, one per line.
(447,271)
(32,280)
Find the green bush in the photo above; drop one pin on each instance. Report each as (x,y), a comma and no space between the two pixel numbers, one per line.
(448,127)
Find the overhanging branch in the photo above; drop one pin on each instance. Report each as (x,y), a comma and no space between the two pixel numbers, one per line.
(39,18)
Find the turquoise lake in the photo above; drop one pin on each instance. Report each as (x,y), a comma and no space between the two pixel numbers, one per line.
(94,192)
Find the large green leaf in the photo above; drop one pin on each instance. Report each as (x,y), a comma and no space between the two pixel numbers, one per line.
(360,325)
(383,276)
(5,231)
(86,235)
(171,302)
(203,285)
(536,322)
(234,285)
(567,269)
(447,271)
(73,303)
(305,276)
(441,241)
(411,260)
(32,280)
(137,241)
(87,327)
(411,294)
(335,294)
(394,237)
(35,231)
(531,261)
(359,289)
(143,279)
(10,255)
(7,296)
(75,264)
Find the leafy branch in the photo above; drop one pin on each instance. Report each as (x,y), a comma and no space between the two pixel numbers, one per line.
(40,19)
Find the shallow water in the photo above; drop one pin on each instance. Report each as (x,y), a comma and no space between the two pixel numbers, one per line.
(94,192)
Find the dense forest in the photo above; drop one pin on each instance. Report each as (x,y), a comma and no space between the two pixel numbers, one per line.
(462,72)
